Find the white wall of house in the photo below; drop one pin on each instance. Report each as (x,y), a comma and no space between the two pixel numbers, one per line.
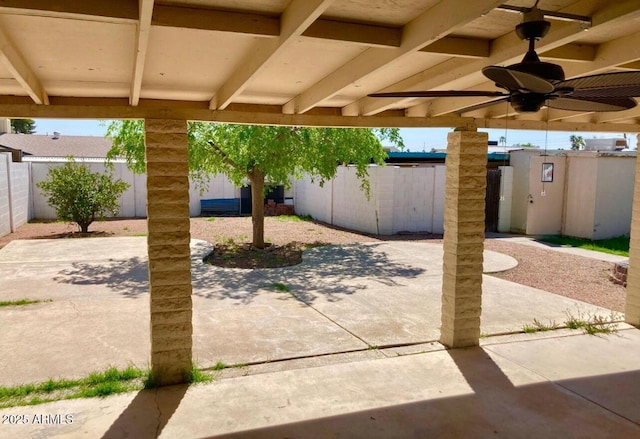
(580,196)
(591,196)
(544,214)
(402,199)
(614,195)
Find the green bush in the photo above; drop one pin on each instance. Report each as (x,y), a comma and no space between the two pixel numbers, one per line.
(81,196)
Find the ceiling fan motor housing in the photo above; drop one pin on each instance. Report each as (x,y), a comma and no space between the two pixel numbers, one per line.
(533,26)
(527,102)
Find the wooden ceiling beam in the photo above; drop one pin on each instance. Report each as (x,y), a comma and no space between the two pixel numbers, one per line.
(298,16)
(460,47)
(94,10)
(365,34)
(215,20)
(442,19)
(21,71)
(515,124)
(571,52)
(142,42)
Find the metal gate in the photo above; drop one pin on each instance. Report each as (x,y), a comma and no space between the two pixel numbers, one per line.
(492,200)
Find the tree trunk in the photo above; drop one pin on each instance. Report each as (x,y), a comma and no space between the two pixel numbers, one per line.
(257,207)
(84,227)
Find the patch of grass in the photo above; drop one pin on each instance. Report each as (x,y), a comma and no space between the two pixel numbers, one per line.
(616,246)
(22,302)
(538,326)
(593,324)
(100,384)
(196,375)
(294,218)
(281,287)
(219,366)
(211,219)
(126,229)
(140,234)
(96,384)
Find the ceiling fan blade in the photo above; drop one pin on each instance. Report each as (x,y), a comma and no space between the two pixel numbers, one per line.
(482,105)
(621,84)
(592,104)
(437,94)
(517,80)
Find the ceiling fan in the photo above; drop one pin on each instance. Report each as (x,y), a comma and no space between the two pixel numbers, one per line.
(531,83)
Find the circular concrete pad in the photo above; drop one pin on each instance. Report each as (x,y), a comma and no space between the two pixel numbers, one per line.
(425,255)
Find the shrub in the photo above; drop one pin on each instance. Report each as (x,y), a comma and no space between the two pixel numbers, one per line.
(81,196)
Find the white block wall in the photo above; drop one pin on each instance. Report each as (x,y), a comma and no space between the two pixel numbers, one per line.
(402,200)
(311,199)
(5,213)
(19,194)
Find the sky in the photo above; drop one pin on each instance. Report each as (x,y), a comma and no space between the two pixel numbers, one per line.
(415,139)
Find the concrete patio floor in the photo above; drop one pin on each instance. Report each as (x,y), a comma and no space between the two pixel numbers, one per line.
(352,300)
(351,353)
(564,386)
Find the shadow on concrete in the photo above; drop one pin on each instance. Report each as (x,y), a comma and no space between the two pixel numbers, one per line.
(331,271)
(126,276)
(493,408)
(147,414)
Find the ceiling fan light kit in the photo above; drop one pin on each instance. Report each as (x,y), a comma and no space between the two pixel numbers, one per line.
(531,84)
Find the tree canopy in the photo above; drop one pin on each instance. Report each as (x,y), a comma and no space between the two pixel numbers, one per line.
(23,126)
(577,142)
(263,155)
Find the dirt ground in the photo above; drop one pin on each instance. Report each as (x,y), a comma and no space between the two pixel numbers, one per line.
(567,275)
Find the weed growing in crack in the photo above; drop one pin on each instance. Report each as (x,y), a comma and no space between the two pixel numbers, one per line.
(538,326)
(593,324)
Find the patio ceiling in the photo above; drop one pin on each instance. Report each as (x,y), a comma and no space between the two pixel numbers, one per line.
(307,62)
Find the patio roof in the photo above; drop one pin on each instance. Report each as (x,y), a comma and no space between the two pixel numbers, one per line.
(305,62)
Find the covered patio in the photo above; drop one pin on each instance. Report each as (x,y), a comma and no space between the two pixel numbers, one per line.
(307,63)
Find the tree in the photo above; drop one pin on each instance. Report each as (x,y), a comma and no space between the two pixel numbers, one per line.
(503,141)
(264,156)
(23,126)
(81,196)
(577,142)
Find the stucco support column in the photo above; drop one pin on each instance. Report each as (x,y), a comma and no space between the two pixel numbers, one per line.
(632,308)
(168,247)
(466,182)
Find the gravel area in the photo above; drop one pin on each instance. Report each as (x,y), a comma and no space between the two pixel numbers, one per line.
(572,276)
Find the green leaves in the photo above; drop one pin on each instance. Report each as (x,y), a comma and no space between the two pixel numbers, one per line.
(280,152)
(81,196)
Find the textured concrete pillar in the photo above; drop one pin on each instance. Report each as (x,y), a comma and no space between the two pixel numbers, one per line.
(168,247)
(632,309)
(466,181)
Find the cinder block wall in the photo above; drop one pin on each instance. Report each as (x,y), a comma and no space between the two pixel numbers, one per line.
(401,200)
(5,218)
(311,199)
(19,194)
